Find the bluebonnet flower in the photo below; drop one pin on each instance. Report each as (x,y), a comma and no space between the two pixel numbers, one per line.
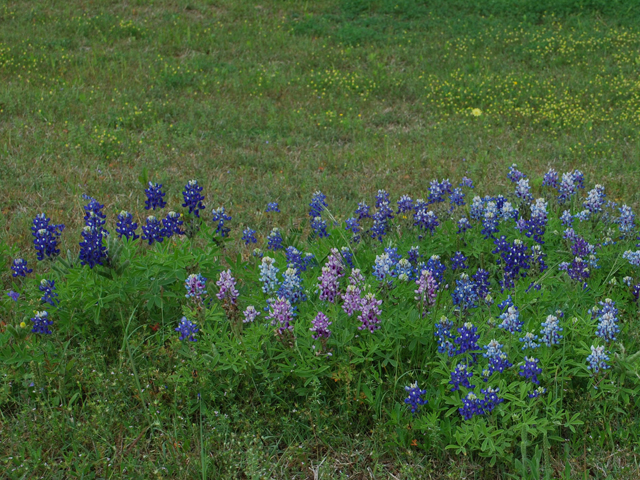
(383,266)
(626,221)
(491,399)
(490,220)
(93,215)
(126,227)
(460,377)
(317,204)
(444,336)
(514,174)
(172,223)
(291,287)
(437,268)
(13,295)
(153,231)
(187,330)
(347,256)
(456,198)
(507,212)
(155,197)
(405,204)
(269,275)
(537,223)
(632,257)
(577,270)
(249,236)
(299,261)
(20,268)
(467,339)
(477,208)
(413,255)
(273,207)
(353,225)
(463,225)
(46,237)
(465,296)
(530,370)
(352,299)
(550,179)
(537,392)
(567,187)
(437,190)
(426,220)
(382,198)
(319,227)
(370,311)
(250,314)
(227,285)
(523,190)
(219,216)
(607,317)
(414,400)
(628,281)
(529,341)
(403,270)
(320,326)
(578,178)
(471,405)
(281,315)
(192,197)
(498,360)
(274,240)
(363,211)
(427,288)
(329,279)
(511,320)
(257,252)
(458,261)
(466,182)
(92,249)
(514,258)
(595,199)
(41,323)
(382,217)
(482,284)
(551,331)
(598,359)
(567,218)
(196,286)
(47,287)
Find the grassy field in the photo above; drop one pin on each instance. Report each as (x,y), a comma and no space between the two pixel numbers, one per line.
(273,100)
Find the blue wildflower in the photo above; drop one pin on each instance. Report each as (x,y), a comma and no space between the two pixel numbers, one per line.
(126,227)
(20,268)
(551,331)
(92,248)
(274,240)
(530,370)
(269,276)
(219,216)
(41,323)
(153,231)
(317,205)
(319,227)
(155,197)
(193,198)
(414,400)
(273,207)
(172,223)
(47,287)
(46,237)
(249,236)
(460,377)
(405,204)
(598,359)
(187,330)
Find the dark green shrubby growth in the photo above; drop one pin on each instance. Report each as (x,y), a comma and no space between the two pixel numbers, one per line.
(492,327)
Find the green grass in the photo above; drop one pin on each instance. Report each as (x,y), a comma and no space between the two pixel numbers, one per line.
(271,101)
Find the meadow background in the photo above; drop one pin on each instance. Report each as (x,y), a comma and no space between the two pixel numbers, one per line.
(273,100)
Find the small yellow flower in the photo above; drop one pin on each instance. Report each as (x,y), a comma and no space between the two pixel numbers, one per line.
(23,325)
(476,112)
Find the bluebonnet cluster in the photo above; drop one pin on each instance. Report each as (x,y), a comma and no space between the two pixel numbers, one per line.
(437,190)
(456,199)
(413,255)
(353,225)
(319,227)
(437,268)
(458,261)
(425,219)
(347,256)
(126,227)
(598,359)
(291,287)
(299,261)
(274,240)
(382,216)
(566,218)
(465,294)
(472,405)
(153,231)
(41,323)
(460,377)
(514,174)
(192,197)
(187,330)
(466,182)
(523,190)
(171,224)
(443,334)
(403,270)
(482,285)
(536,225)
(550,179)
(514,258)
(632,257)
(463,225)
(511,318)
(227,285)
(569,185)
(467,339)
(219,217)
(383,266)
(320,326)
(427,288)
(328,281)
(370,311)
(363,211)
(405,204)
(490,220)
(155,197)
(281,315)
(92,248)
(529,341)
(317,204)
(273,207)
(626,220)
(46,237)
(498,360)
(551,331)
(249,236)
(537,392)
(414,400)
(607,315)
(196,286)
(20,268)
(94,217)
(530,370)
(593,204)
(352,298)
(250,314)
(47,287)
(13,295)
(577,270)
(269,276)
